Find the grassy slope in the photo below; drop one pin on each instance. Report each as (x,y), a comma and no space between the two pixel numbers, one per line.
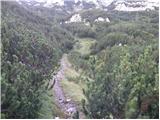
(73,91)
(83,46)
(73,84)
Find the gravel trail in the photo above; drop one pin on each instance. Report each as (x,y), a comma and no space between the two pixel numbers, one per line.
(66,104)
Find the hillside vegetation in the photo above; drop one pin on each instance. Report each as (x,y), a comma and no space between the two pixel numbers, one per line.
(122,66)
(31,49)
(113,70)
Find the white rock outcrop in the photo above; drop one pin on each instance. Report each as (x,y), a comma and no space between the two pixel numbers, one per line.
(75,18)
(107,20)
(87,23)
(101,19)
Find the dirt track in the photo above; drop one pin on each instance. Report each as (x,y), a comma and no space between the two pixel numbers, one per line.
(66,104)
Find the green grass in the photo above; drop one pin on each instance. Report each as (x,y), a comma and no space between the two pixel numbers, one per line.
(83,45)
(49,109)
(71,73)
(71,85)
(73,91)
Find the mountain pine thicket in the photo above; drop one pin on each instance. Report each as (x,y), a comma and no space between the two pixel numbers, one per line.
(122,66)
(31,49)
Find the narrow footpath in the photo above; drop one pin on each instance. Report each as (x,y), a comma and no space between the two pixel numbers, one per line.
(67,106)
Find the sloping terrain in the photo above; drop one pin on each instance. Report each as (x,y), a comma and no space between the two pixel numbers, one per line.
(80,59)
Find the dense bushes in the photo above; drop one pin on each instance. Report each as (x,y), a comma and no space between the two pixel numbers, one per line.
(124,33)
(112,39)
(80,30)
(78,61)
(31,50)
(125,70)
(120,80)
(26,67)
(124,67)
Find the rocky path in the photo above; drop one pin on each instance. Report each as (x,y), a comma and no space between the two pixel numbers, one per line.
(66,104)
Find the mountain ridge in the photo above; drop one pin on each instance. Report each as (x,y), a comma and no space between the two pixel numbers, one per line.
(76,5)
